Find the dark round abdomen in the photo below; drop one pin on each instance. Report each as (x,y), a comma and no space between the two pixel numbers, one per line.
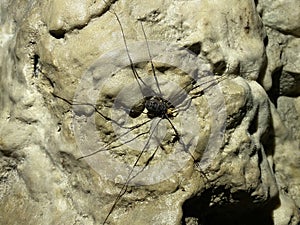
(156,107)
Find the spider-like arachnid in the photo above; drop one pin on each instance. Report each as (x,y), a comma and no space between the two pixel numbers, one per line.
(138,141)
(156,107)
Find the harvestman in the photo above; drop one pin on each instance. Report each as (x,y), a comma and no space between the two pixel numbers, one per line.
(156,106)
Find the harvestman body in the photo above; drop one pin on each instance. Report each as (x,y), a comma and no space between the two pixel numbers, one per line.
(156,107)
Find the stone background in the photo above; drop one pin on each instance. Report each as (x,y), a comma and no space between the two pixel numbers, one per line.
(46,47)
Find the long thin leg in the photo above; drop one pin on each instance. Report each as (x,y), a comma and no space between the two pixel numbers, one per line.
(199,93)
(178,137)
(129,178)
(96,110)
(135,73)
(150,58)
(106,147)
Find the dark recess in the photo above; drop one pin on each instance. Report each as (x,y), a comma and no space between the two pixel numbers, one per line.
(58,34)
(36,59)
(195,48)
(274,92)
(219,67)
(243,212)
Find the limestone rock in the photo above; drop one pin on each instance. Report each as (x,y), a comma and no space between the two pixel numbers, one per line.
(227,142)
(283,16)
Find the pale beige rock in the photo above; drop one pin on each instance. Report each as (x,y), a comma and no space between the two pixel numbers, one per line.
(287,213)
(281,15)
(282,72)
(246,169)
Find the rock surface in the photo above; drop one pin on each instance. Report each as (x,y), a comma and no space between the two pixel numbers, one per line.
(227,153)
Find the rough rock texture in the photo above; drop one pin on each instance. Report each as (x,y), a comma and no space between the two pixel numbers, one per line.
(229,153)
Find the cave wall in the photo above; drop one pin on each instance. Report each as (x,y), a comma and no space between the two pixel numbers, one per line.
(240,117)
